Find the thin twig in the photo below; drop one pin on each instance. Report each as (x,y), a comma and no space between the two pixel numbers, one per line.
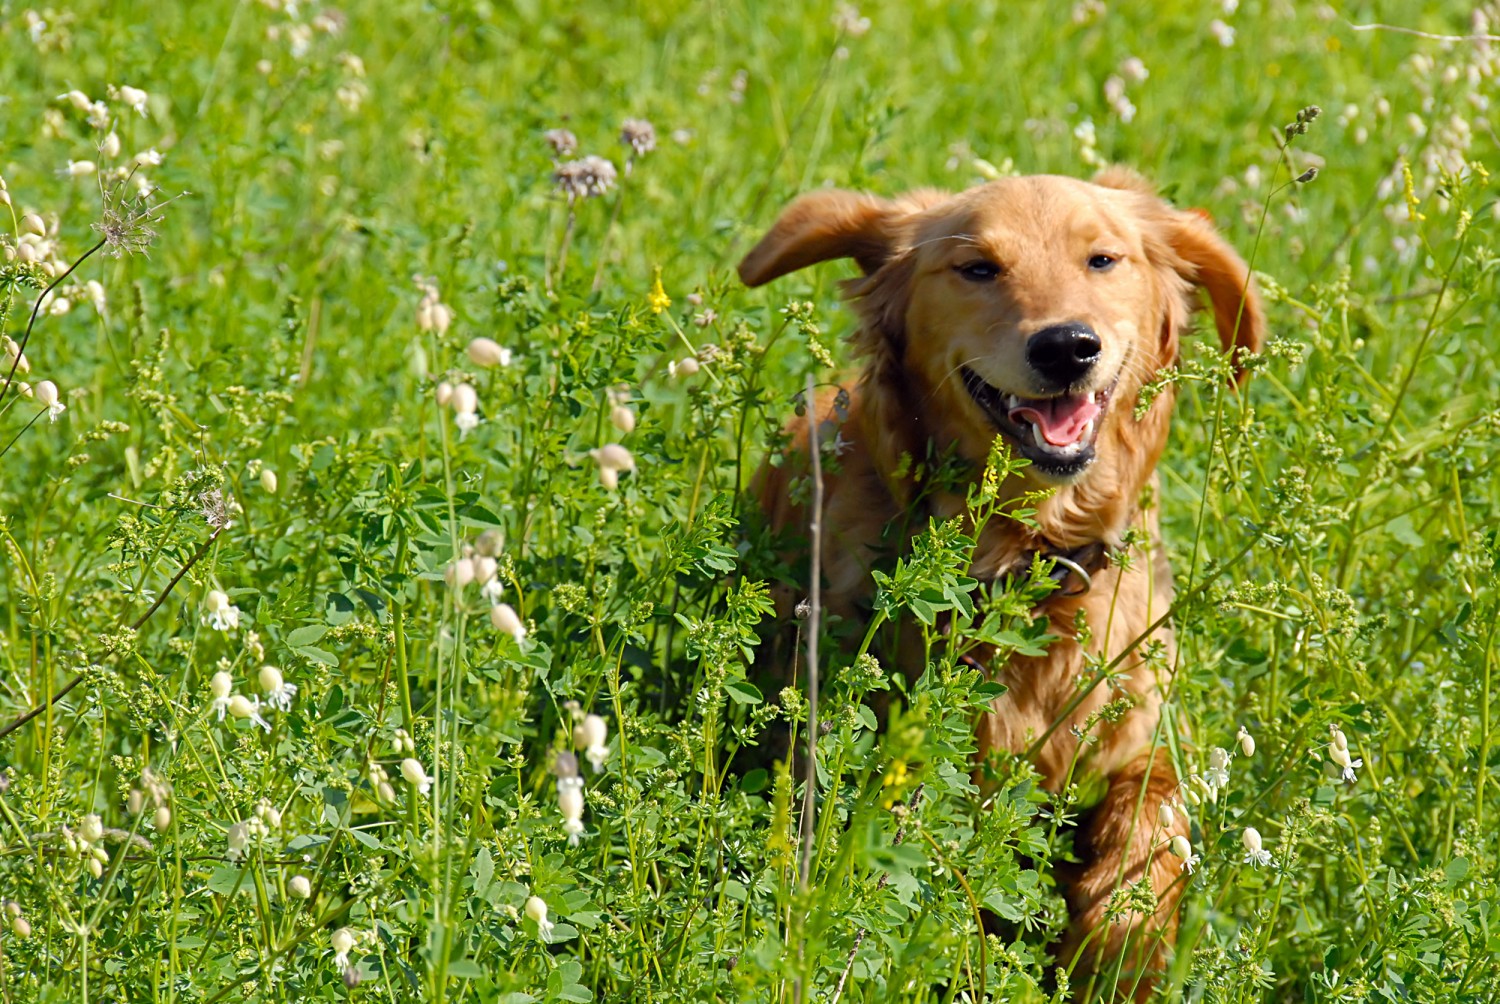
(1422,34)
(135,625)
(814,615)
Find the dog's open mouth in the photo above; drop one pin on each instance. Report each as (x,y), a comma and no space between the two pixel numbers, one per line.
(1057,434)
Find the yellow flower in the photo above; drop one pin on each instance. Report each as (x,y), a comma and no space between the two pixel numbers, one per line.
(1409,186)
(658,300)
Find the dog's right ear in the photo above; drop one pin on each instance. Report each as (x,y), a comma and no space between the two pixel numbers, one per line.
(829,224)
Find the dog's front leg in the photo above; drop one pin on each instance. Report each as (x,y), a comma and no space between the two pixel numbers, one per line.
(1124,900)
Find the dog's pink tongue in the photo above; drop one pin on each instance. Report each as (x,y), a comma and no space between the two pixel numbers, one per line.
(1061,419)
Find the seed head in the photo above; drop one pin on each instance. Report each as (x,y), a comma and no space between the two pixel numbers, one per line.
(586,178)
(563,142)
(639,135)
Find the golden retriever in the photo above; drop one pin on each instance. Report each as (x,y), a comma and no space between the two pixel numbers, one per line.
(1035,308)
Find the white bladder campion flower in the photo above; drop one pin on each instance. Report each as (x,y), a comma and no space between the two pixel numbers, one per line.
(622,418)
(221,615)
(300,887)
(487,352)
(682,367)
(415,775)
(236,839)
(1247,742)
(1338,752)
(342,941)
(1164,815)
(133,97)
(570,804)
(46,394)
(590,735)
(1217,774)
(1255,854)
(536,909)
(222,687)
(503,617)
(459,574)
(241,706)
(612,458)
(1183,848)
(279,693)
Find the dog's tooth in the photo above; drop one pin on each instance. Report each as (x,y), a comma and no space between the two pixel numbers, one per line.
(1037,438)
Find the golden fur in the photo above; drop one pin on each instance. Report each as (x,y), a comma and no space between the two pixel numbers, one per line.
(921,322)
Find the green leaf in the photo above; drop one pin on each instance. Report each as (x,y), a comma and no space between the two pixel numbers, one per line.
(744,692)
(306,635)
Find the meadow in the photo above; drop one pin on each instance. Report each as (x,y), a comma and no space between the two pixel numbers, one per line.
(346,657)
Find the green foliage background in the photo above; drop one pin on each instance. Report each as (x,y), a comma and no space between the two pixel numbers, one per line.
(1333,533)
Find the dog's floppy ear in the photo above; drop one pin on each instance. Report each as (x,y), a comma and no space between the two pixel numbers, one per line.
(1187,243)
(833,223)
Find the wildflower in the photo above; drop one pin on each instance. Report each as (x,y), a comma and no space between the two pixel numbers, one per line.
(300,887)
(657,299)
(1255,854)
(486,352)
(132,97)
(241,706)
(432,313)
(639,135)
(1183,848)
(222,615)
(590,735)
(682,368)
(1134,70)
(20,927)
(109,147)
(128,225)
(1247,742)
(403,742)
(31,223)
(237,839)
(1217,774)
(78,100)
(1222,33)
(705,317)
(536,909)
(1164,815)
(279,693)
(622,418)
(148,158)
(612,458)
(221,685)
(14,357)
(848,21)
(411,769)
(268,481)
(94,290)
(1338,752)
(46,393)
(562,141)
(459,574)
(503,617)
(443,394)
(492,590)
(570,804)
(465,400)
(162,819)
(342,941)
(91,829)
(584,179)
(490,543)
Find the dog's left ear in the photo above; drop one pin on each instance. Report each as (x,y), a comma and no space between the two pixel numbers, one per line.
(833,223)
(1187,243)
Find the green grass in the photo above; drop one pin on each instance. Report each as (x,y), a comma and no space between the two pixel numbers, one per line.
(1334,533)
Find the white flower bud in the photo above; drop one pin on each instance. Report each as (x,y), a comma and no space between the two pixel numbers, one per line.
(590,731)
(162,819)
(31,223)
(536,909)
(486,352)
(80,168)
(385,792)
(342,940)
(444,393)
(20,927)
(1181,846)
(268,481)
(1336,736)
(13,908)
(1164,815)
(1251,839)
(503,617)
(484,567)
(1218,758)
(136,801)
(613,457)
(1339,755)
(221,683)
(683,368)
(465,400)
(609,478)
(110,148)
(415,775)
(216,599)
(91,828)
(490,543)
(270,678)
(1247,743)
(570,801)
(622,418)
(46,393)
(78,100)
(300,887)
(459,573)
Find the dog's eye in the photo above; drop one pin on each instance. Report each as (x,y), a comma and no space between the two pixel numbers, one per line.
(1102,262)
(978,271)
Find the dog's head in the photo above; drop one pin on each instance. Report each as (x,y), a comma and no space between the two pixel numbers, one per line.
(1035,306)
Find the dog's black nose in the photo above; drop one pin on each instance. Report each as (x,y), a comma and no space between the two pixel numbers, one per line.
(1063,353)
